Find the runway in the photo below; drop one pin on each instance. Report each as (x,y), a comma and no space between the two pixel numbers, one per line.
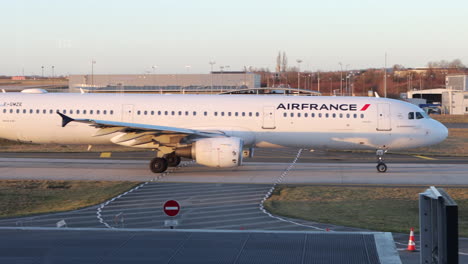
(423,173)
(218,199)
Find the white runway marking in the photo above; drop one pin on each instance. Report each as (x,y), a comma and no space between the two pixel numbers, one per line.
(278,181)
(101,207)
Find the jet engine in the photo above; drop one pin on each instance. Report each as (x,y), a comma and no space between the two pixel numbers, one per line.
(214,152)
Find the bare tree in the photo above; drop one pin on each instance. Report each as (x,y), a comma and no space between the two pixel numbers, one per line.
(278,62)
(398,67)
(456,63)
(284,63)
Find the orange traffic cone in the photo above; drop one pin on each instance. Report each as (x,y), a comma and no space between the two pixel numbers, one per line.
(411,243)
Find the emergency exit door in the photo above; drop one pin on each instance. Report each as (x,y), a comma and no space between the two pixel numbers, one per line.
(268,117)
(383,117)
(127,113)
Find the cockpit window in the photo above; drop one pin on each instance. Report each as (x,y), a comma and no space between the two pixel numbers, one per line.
(417,115)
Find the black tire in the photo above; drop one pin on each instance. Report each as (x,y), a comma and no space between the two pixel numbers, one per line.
(158,165)
(173,160)
(381,167)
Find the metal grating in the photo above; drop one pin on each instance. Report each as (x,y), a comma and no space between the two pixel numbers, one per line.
(97,246)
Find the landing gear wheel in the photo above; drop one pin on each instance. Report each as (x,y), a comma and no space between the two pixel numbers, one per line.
(158,165)
(381,167)
(173,160)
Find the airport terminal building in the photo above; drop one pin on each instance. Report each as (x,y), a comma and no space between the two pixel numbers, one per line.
(214,82)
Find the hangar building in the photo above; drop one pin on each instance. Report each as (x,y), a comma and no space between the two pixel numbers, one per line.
(453,98)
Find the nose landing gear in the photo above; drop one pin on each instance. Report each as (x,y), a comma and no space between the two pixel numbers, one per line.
(381,166)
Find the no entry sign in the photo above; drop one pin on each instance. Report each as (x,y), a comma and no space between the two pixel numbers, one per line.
(171,208)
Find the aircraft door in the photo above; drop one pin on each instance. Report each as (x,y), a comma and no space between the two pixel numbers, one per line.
(127,113)
(383,117)
(268,117)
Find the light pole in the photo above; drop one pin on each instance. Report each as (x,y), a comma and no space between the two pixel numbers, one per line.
(298,74)
(92,72)
(385,76)
(363,78)
(318,81)
(42,67)
(347,79)
(154,74)
(341,78)
(212,62)
(53,75)
(222,80)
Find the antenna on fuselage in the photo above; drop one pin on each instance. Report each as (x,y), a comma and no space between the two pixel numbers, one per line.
(376,95)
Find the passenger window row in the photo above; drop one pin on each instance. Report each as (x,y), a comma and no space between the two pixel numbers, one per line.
(63,111)
(411,115)
(194,113)
(323,115)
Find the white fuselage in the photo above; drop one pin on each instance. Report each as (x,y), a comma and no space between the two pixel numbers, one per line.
(261,121)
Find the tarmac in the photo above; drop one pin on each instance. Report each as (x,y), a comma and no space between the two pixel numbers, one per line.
(216,199)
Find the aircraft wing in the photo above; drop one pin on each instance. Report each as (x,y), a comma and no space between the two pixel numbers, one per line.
(109,127)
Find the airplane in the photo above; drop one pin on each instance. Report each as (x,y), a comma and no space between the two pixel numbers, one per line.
(216,130)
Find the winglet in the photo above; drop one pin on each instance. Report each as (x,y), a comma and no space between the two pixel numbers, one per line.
(65,119)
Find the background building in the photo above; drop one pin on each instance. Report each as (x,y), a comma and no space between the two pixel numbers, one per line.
(457,82)
(164,83)
(453,99)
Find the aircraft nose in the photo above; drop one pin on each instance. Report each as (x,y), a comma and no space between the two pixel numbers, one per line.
(440,132)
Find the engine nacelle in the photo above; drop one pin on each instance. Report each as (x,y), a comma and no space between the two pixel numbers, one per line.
(215,152)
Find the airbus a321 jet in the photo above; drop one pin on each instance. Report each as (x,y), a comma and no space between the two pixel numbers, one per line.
(216,130)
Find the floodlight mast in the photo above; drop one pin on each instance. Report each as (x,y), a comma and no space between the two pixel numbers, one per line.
(212,62)
(298,74)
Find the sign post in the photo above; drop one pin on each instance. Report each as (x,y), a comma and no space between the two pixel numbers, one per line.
(171,208)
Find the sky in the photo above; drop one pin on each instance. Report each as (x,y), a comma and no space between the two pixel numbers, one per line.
(183,36)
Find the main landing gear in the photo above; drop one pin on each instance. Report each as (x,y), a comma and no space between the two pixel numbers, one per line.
(381,166)
(173,160)
(158,165)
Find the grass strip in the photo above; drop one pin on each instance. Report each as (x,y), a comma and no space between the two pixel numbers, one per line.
(392,209)
(27,197)
(451,118)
